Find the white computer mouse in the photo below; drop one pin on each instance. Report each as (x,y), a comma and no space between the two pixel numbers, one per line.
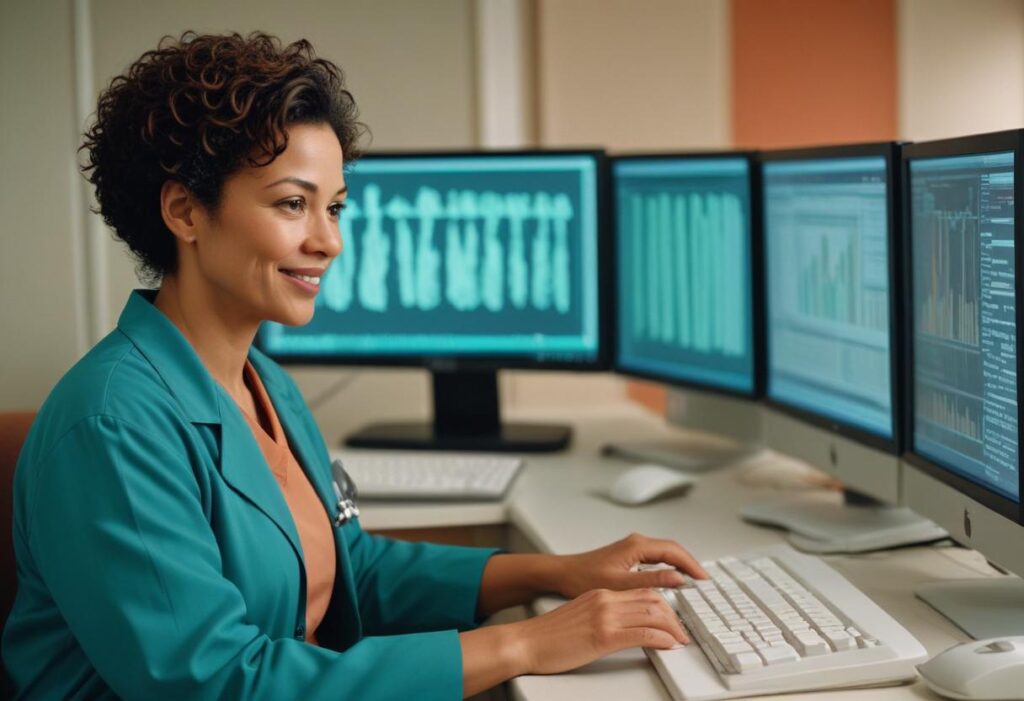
(989,670)
(642,484)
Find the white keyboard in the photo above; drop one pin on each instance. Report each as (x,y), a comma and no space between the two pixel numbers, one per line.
(774,620)
(430,477)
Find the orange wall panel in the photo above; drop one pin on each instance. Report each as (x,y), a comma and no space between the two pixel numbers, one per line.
(813,71)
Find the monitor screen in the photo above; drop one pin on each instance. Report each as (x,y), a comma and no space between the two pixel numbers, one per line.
(683,250)
(451,256)
(964,317)
(828,269)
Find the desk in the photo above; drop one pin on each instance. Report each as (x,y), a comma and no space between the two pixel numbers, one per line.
(557,506)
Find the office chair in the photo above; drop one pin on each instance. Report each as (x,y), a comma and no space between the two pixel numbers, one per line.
(14,427)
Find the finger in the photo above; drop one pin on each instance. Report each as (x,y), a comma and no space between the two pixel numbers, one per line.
(668,579)
(674,554)
(653,616)
(643,637)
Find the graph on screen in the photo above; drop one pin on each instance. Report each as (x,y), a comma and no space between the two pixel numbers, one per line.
(827,243)
(684,248)
(964,347)
(453,255)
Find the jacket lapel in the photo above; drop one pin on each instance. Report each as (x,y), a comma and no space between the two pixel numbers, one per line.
(243,466)
(203,401)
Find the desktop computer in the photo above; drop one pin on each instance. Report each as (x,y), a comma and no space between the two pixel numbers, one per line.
(464,264)
(962,463)
(686,270)
(833,347)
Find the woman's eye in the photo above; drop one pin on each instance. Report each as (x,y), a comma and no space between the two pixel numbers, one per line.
(335,209)
(295,205)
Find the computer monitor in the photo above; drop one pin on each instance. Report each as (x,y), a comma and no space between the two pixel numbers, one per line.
(832,344)
(687,266)
(464,263)
(962,465)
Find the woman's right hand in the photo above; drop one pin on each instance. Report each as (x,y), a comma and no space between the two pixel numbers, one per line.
(596,624)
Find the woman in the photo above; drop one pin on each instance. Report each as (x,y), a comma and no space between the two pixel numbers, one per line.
(173,502)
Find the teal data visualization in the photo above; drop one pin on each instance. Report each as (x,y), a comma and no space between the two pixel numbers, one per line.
(683,249)
(964,306)
(461,255)
(827,249)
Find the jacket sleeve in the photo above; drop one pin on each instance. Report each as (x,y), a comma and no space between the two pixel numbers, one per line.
(118,535)
(404,587)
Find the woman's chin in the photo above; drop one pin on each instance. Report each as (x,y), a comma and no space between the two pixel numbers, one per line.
(294,317)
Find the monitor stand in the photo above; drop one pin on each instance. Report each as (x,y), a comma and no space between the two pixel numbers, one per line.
(982,608)
(860,524)
(467,417)
(699,454)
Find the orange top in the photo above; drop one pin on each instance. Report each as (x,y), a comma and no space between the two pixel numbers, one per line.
(311,518)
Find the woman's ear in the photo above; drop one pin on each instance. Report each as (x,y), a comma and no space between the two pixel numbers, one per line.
(178,209)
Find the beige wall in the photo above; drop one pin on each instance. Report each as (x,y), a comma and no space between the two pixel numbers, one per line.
(634,74)
(961,67)
(39,332)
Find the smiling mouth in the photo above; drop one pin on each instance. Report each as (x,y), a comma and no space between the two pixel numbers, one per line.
(311,279)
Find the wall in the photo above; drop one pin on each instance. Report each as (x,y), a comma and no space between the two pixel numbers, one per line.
(40,316)
(813,72)
(961,67)
(633,75)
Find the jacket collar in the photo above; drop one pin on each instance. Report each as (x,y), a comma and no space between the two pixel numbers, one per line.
(173,357)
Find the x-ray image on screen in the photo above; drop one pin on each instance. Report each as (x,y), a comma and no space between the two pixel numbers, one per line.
(461,255)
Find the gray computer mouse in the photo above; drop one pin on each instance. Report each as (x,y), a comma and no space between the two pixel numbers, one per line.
(981,670)
(642,484)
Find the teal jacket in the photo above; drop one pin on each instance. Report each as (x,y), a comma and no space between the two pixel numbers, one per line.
(157,557)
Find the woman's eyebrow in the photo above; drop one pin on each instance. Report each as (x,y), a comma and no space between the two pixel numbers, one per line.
(304,184)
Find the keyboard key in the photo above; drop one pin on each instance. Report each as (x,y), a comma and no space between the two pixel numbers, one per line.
(776,654)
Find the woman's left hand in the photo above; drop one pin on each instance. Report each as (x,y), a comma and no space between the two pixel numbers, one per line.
(614,566)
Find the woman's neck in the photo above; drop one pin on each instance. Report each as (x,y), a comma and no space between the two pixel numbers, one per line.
(218,335)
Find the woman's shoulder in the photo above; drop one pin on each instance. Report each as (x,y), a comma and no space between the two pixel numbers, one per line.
(113,381)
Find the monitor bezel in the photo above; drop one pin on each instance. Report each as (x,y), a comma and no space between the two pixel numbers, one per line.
(756,289)
(890,152)
(962,146)
(495,361)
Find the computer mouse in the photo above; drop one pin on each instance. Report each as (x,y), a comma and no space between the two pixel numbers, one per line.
(642,484)
(981,670)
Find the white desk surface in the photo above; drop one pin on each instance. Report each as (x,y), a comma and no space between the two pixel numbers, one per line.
(558,504)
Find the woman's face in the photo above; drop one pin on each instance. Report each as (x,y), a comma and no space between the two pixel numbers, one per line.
(267,246)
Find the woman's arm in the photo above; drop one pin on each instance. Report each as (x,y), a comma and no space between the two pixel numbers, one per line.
(511,580)
(591,626)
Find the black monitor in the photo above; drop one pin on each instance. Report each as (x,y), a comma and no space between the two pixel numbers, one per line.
(833,316)
(685,268)
(962,466)
(464,263)
(687,271)
(832,304)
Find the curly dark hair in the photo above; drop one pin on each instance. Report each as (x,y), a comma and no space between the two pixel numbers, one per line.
(196,109)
